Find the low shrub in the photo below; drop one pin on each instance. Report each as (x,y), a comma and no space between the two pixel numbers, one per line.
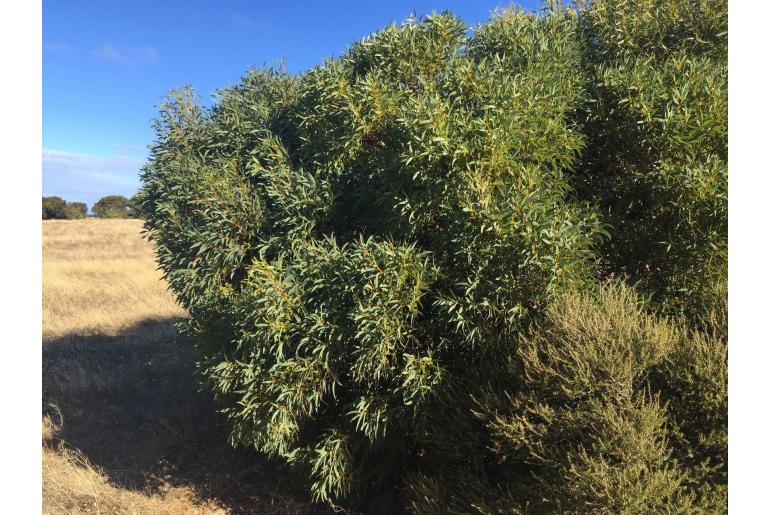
(76,210)
(112,206)
(58,208)
(604,408)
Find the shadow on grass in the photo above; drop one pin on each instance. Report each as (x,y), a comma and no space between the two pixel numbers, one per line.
(132,405)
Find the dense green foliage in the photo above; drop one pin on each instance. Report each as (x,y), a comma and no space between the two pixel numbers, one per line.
(396,263)
(58,208)
(76,210)
(657,158)
(54,207)
(112,206)
(135,207)
(602,408)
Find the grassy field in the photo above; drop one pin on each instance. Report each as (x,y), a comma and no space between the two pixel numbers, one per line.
(126,428)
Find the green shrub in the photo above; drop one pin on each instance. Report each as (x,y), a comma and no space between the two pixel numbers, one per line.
(656,161)
(603,409)
(76,210)
(351,241)
(364,248)
(54,208)
(58,208)
(693,381)
(112,206)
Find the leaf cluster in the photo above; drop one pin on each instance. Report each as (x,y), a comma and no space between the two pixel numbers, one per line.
(657,162)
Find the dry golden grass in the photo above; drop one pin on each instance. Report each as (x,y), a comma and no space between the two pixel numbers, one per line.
(126,428)
(99,277)
(72,485)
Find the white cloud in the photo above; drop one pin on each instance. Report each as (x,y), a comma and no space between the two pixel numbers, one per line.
(87,178)
(127,56)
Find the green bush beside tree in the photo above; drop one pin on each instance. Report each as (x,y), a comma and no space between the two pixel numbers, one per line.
(603,407)
(399,265)
(57,208)
(112,206)
(76,210)
(54,208)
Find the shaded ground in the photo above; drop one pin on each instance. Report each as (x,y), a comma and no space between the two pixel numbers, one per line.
(131,404)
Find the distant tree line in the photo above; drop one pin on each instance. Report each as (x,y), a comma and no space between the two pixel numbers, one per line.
(111,206)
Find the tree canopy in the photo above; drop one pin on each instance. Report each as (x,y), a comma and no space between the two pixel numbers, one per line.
(57,208)
(112,206)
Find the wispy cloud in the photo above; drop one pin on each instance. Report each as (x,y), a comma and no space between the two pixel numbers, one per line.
(86,177)
(247,22)
(56,47)
(127,56)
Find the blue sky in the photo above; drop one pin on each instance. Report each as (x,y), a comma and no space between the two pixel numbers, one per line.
(106,65)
